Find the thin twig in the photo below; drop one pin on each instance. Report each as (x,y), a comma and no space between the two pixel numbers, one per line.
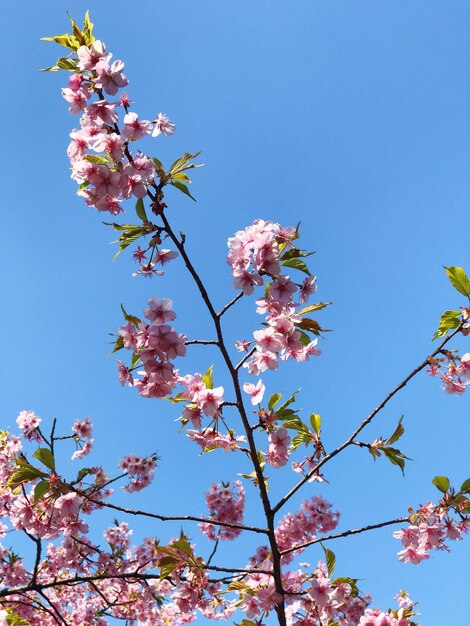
(230,304)
(346,533)
(366,421)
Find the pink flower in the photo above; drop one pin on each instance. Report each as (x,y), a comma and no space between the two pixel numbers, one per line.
(159,311)
(163,125)
(76,98)
(111,143)
(110,77)
(209,400)
(282,289)
(86,449)
(227,506)
(88,57)
(83,428)
(134,129)
(307,288)
(101,112)
(165,256)
(29,422)
(255,391)
(277,454)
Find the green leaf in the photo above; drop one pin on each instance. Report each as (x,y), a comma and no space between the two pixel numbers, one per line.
(140,210)
(99,159)
(397,433)
(66,40)
(330,559)
(395,457)
(303,338)
(88,29)
(311,325)
(295,253)
(182,187)
(207,378)
(41,489)
(158,164)
(273,400)
(448,321)
(167,565)
(183,545)
(295,423)
(67,64)
(442,483)
(315,421)
(297,264)
(76,31)
(314,307)
(13,619)
(46,457)
(24,474)
(465,487)
(119,345)
(458,279)
(85,471)
(352,582)
(135,321)
(302,438)
(183,163)
(288,402)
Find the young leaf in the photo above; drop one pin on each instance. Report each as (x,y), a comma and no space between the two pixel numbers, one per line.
(41,489)
(397,433)
(66,40)
(448,321)
(458,279)
(330,559)
(295,253)
(183,163)
(288,402)
(273,400)
(182,187)
(465,487)
(46,457)
(314,307)
(442,483)
(207,378)
(135,321)
(24,474)
(396,457)
(297,264)
(315,421)
(140,210)
(88,29)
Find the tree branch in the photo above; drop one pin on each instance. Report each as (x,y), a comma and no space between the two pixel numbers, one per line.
(365,422)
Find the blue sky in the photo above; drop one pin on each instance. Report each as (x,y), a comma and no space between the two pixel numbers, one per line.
(351,116)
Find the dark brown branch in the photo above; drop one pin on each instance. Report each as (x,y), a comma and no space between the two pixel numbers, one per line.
(170,518)
(346,533)
(230,304)
(233,371)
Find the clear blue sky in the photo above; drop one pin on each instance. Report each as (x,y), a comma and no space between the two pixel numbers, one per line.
(351,116)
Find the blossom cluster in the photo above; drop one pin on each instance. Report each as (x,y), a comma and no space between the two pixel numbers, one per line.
(82,431)
(430,527)
(140,471)
(101,161)
(456,377)
(155,345)
(29,422)
(261,250)
(225,505)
